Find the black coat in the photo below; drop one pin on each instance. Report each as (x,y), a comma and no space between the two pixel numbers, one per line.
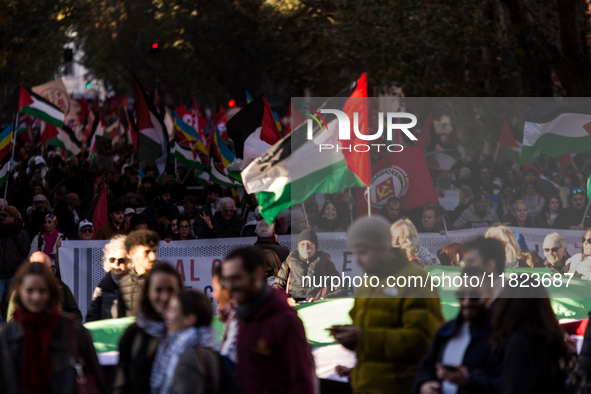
(14,248)
(63,374)
(572,217)
(484,364)
(290,276)
(107,302)
(267,243)
(137,350)
(223,228)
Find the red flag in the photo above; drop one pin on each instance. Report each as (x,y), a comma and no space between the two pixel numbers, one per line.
(358,162)
(404,175)
(100,216)
(424,139)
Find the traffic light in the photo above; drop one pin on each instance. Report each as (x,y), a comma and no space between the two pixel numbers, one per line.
(231,103)
(154,49)
(88,85)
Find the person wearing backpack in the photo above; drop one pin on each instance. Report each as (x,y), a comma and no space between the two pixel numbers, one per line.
(184,360)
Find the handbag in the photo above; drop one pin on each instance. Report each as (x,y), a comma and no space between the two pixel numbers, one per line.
(85,383)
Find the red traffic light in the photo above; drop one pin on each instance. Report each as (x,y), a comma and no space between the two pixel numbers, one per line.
(231,103)
(155,45)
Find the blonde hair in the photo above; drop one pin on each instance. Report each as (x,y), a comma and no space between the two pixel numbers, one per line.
(116,243)
(506,236)
(409,231)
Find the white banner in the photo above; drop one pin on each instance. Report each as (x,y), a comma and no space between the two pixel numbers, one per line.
(82,268)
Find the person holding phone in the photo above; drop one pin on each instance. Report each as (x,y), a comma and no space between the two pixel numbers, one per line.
(460,360)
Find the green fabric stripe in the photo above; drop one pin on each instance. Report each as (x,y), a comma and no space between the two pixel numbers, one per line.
(149,149)
(510,153)
(555,145)
(331,179)
(189,163)
(43,116)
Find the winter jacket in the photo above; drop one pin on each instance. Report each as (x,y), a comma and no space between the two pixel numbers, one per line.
(572,217)
(14,246)
(108,231)
(397,326)
(273,352)
(107,302)
(130,287)
(194,371)
(199,227)
(483,363)
(268,243)
(63,374)
(294,268)
(561,267)
(137,350)
(223,228)
(471,219)
(68,305)
(529,368)
(38,243)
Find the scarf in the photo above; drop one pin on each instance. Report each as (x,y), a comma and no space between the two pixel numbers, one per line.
(153,328)
(246,311)
(169,351)
(36,372)
(49,241)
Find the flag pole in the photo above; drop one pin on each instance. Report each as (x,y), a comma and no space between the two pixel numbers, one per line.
(305,215)
(368,201)
(585,214)
(11,158)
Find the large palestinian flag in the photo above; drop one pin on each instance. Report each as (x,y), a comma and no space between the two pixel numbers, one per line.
(554,129)
(294,168)
(36,106)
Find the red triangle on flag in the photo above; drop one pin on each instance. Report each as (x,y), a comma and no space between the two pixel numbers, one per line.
(507,140)
(24,98)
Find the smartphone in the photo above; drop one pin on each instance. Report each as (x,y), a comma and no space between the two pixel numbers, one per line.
(451,368)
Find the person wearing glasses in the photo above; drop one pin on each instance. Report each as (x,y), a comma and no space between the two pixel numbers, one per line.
(225,223)
(141,247)
(184,225)
(580,263)
(106,299)
(85,231)
(555,253)
(460,359)
(571,218)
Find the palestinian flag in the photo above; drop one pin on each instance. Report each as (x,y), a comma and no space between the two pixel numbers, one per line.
(6,138)
(36,106)
(219,175)
(63,138)
(4,170)
(187,145)
(153,139)
(554,129)
(507,143)
(294,169)
(91,142)
(253,131)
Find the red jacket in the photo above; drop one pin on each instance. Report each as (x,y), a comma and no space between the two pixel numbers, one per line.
(273,354)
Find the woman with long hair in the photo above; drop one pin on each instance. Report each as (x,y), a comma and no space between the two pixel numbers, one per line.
(525,326)
(451,254)
(406,237)
(333,219)
(49,239)
(512,249)
(138,344)
(551,210)
(41,348)
(188,324)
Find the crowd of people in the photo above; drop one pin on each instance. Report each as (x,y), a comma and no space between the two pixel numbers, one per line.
(499,342)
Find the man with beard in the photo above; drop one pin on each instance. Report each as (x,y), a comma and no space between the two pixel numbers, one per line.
(116,225)
(460,359)
(391,210)
(571,218)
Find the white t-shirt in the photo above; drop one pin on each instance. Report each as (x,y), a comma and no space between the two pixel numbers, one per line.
(454,355)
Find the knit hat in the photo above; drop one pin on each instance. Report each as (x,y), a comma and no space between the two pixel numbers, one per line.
(11,211)
(370,231)
(308,235)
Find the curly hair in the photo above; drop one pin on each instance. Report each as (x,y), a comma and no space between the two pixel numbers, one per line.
(115,244)
(147,238)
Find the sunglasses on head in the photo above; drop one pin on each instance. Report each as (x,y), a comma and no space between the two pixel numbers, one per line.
(586,239)
(120,261)
(576,191)
(553,250)
(473,295)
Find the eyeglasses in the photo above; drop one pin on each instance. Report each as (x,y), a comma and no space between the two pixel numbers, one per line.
(553,250)
(120,261)
(87,231)
(576,191)
(473,295)
(184,227)
(586,239)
